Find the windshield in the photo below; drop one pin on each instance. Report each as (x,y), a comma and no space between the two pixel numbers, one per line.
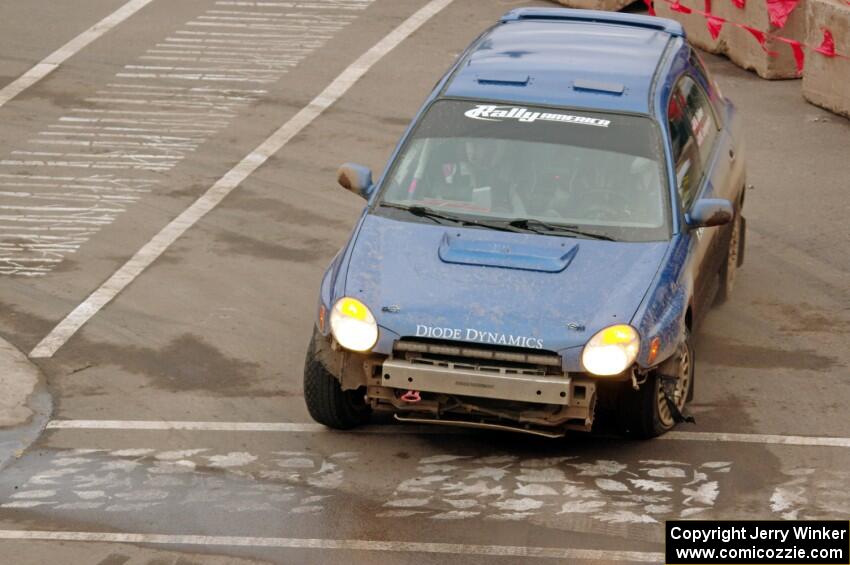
(596,172)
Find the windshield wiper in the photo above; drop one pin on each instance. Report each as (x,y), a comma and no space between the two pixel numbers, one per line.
(432,214)
(420,211)
(533,225)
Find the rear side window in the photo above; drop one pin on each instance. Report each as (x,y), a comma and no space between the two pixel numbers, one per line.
(693,132)
(707,81)
(685,152)
(701,117)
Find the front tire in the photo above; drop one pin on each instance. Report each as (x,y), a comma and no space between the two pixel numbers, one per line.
(326,402)
(647,413)
(729,269)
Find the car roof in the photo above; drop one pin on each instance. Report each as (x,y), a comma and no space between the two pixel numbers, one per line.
(563,57)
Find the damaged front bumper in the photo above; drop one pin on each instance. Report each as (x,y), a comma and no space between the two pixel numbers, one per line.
(463,379)
(466,385)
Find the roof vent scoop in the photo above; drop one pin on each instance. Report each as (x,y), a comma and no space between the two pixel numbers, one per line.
(596,86)
(504,79)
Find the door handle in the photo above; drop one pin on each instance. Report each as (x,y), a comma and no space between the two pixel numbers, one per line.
(732,154)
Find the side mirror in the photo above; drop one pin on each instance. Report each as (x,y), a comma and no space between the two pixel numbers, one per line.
(709,212)
(355,178)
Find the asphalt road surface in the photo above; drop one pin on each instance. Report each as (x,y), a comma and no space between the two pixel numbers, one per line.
(178,432)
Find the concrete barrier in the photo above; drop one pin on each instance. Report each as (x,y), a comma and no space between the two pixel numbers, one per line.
(826,81)
(738,44)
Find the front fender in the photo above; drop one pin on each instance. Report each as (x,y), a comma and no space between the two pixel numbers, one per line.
(668,325)
(663,310)
(330,292)
(332,287)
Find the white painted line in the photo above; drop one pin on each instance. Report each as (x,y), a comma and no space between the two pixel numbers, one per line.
(226,184)
(351,545)
(199,426)
(285,427)
(769,439)
(296,427)
(49,63)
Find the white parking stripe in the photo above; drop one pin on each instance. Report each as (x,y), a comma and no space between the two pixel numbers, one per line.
(224,186)
(812,441)
(186,108)
(194,426)
(289,427)
(356,545)
(49,63)
(284,427)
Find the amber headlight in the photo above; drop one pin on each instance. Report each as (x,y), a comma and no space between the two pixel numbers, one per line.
(611,351)
(353,325)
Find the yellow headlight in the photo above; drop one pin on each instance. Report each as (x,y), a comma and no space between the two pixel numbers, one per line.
(353,308)
(616,335)
(611,351)
(353,325)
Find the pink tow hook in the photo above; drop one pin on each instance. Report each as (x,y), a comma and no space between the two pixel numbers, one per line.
(411,396)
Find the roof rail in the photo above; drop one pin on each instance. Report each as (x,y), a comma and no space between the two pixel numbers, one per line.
(617,18)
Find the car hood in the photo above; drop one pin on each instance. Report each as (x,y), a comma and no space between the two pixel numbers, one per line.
(495,287)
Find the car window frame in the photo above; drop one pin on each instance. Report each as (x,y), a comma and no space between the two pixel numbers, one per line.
(704,79)
(675,91)
(684,207)
(713,115)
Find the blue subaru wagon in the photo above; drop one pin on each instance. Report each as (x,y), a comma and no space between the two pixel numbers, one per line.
(550,230)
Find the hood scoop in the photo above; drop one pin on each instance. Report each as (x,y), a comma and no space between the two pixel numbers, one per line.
(464,250)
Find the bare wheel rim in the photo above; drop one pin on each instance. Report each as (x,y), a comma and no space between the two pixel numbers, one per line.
(732,256)
(680,391)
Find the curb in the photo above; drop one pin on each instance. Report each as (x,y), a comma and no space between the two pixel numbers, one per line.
(25,405)
(18,378)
